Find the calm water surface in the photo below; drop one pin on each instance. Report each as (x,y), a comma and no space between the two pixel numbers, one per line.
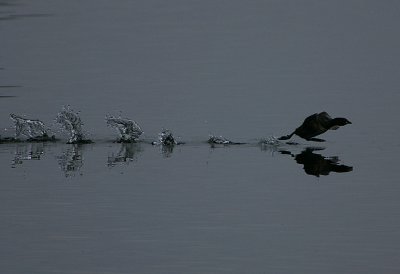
(244,70)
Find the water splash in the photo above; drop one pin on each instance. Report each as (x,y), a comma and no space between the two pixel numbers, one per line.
(32,129)
(128,130)
(166,138)
(272,141)
(72,124)
(220,140)
(167,142)
(270,144)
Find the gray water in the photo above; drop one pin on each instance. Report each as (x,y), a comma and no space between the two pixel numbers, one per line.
(244,70)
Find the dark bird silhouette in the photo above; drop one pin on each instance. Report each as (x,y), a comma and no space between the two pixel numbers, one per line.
(315,125)
(316,164)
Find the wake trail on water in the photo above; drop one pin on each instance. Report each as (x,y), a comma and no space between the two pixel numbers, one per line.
(128,131)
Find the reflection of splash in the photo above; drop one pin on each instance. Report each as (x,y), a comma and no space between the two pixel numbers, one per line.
(167,151)
(72,124)
(126,154)
(128,130)
(27,151)
(30,128)
(71,161)
(316,164)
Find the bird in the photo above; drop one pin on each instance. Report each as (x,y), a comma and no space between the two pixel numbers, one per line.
(315,125)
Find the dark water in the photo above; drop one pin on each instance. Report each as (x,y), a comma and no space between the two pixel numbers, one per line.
(247,70)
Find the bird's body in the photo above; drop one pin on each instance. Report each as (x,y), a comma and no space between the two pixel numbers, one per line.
(315,125)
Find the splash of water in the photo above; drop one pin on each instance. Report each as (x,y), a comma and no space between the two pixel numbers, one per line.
(270,144)
(72,124)
(218,140)
(167,142)
(32,129)
(272,141)
(128,130)
(166,138)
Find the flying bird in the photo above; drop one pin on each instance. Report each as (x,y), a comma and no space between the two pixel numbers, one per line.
(315,125)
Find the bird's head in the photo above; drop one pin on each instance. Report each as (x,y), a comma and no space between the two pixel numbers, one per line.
(341,121)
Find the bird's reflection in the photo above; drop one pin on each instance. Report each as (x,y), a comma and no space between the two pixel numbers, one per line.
(27,151)
(127,153)
(317,164)
(71,160)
